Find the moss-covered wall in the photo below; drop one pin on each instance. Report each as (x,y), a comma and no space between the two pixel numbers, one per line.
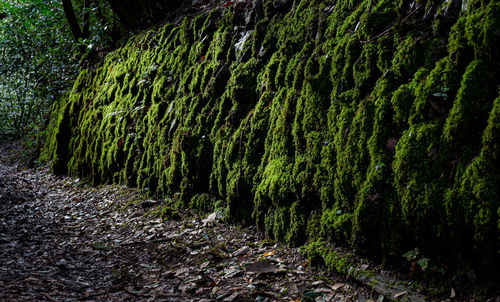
(374,123)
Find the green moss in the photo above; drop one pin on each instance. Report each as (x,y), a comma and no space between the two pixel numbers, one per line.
(471,204)
(330,124)
(335,260)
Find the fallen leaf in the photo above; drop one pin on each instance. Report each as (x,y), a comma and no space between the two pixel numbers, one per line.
(323,290)
(242,251)
(269,254)
(232,272)
(452,294)
(232,297)
(204,264)
(261,267)
(33,280)
(400,294)
(181,271)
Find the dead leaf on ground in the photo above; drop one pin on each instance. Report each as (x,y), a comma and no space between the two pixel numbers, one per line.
(242,251)
(261,267)
(400,294)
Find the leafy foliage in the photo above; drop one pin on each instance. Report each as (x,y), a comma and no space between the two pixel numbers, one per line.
(39,59)
(36,65)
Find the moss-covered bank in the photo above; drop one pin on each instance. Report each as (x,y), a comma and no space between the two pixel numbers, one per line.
(374,124)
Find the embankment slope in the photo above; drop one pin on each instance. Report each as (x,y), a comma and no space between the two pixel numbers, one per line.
(373,124)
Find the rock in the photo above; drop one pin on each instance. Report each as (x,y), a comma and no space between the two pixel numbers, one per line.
(254,15)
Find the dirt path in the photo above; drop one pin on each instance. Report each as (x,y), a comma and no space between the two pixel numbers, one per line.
(61,240)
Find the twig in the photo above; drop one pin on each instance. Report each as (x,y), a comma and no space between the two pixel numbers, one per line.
(49,297)
(388,29)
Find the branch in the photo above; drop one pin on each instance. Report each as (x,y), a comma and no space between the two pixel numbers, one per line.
(73,22)
(86,19)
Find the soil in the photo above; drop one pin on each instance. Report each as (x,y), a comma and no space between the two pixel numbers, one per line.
(63,240)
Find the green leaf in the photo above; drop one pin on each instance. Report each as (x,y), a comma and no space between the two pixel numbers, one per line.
(411,255)
(424,263)
(440,95)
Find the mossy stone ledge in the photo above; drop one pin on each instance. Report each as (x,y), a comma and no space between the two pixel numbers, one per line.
(374,125)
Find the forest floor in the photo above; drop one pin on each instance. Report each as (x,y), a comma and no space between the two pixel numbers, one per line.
(63,240)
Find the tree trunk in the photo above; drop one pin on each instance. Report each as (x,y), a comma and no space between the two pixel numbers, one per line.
(73,22)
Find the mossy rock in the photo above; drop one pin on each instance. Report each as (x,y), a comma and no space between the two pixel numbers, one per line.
(373,125)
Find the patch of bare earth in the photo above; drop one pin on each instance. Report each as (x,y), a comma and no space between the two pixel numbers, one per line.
(62,240)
